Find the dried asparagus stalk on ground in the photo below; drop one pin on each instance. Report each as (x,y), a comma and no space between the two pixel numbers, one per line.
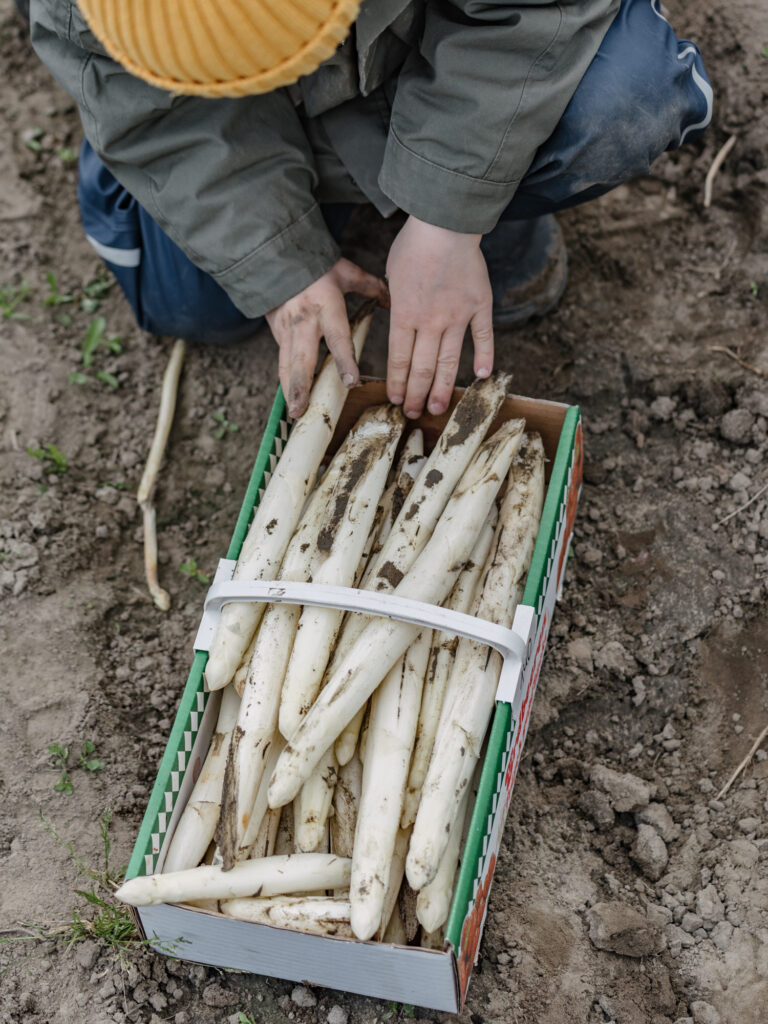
(317,915)
(430,579)
(197,824)
(440,664)
(146,489)
(270,876)
(391,732)
(275,519)
(477,669)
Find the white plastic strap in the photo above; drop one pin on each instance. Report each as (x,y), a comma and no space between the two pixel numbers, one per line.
(512,644)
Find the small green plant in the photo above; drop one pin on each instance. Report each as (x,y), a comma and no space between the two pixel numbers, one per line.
(94,292)
(399,1010)
(66,154)
(10,299)
(764,51)
(189,568)
(245,1018)
(111,924)
(59,754)
(60,757)
(224,426)
(32,139)
(95,338)
(54,296)
(53,460)
(754,290)
(108,378)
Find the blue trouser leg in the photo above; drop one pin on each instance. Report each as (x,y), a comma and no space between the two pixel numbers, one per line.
(646,91)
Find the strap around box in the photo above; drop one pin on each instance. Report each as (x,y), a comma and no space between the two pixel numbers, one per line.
(512,643)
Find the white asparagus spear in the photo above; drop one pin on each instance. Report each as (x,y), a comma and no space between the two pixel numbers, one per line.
(317,915)
(270,876)
(275,519)
(260,809)
(411,463)
(266,839)
(257,720)
(368,453)
(391,732)
(346,800)
(436,481)
(383,641)
(313,802)
(395,932)
(396,875)
(284,841)
(477,669)
(238,680)
(433,903)
(197,824)
(439,670)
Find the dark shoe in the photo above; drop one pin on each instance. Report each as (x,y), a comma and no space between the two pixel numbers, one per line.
(528,268)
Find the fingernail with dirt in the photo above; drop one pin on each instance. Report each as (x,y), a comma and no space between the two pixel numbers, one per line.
(348,380)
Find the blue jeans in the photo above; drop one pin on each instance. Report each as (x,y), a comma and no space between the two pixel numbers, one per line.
(645,92)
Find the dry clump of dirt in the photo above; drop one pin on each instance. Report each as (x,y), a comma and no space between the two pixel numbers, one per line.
(625,891)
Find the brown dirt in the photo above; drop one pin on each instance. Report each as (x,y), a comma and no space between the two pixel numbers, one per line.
(658,661)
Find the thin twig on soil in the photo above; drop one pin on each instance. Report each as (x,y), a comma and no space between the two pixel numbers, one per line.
(717,163)
(149,479)
(732,355)
(744,763)
(741,508)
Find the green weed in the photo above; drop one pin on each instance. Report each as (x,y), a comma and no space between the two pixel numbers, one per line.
(96,338)
(67,155)
(53,460)
(60,758)
(399,1010)
(189,568)
(754,289)
(245,1018)
(10,298)
(95,291)
(224,426)
(54,296)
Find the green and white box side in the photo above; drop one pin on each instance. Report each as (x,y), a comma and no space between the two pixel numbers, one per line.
(408,974)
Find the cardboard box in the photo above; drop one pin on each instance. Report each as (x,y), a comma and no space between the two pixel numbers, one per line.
(423,977)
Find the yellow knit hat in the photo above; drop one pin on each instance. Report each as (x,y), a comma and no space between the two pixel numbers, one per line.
(220,47)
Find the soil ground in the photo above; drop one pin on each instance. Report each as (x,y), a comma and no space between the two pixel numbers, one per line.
(658,659)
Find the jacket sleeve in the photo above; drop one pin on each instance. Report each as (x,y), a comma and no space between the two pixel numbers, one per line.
(230,181)
(485,89)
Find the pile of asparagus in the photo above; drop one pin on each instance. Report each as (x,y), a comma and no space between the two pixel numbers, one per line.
(370,727)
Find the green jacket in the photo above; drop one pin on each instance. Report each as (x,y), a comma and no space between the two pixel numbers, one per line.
(433,106)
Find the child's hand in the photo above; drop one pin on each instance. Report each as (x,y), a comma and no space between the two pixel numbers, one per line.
(319,311)
(438,282)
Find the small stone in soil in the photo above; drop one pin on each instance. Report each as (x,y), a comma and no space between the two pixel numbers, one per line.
(650,852)
(704,1013)
(337,1015)
(301,996)
(621,929)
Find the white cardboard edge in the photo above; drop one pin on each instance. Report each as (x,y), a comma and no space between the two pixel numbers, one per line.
(422,977)
(512,643)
